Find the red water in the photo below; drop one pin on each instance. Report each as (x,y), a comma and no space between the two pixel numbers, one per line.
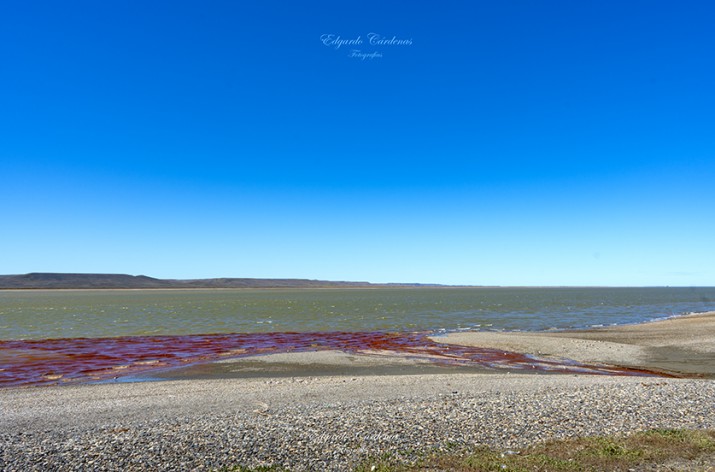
(56,361)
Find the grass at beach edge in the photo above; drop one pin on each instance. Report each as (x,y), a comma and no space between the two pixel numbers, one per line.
(597,453)
(677,448)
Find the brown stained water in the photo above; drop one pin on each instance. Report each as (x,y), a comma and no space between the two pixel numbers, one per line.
(61,336)
(51,361)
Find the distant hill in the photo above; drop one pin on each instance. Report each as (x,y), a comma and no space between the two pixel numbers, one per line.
(39,280)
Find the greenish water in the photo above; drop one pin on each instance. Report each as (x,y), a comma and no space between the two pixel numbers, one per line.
(78,313)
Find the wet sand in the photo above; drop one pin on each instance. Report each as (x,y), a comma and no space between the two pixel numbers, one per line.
(683,345)
(307,364)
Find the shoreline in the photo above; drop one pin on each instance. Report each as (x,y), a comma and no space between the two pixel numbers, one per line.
(668,359)
(680,345)
(586,346)
(298,420)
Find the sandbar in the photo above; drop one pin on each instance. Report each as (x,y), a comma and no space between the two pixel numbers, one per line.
(682,345)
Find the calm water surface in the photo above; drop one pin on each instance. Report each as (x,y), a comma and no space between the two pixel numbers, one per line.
(85,313)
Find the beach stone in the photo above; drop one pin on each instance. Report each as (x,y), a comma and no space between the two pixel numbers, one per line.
(325,423)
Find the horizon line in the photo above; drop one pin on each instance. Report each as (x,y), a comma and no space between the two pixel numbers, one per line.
(355,282)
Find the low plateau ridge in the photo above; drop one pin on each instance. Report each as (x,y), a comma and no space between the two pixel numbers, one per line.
(37,280)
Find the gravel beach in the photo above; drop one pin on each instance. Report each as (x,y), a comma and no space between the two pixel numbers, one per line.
(327,423)
(334,422)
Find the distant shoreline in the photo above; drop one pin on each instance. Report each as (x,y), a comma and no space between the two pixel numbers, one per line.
(67,281)
(80,281)
(198,289)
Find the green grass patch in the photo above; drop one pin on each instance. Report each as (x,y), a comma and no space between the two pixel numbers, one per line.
(612,453)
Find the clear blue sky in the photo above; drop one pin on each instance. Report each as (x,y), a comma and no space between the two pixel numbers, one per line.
(506,142)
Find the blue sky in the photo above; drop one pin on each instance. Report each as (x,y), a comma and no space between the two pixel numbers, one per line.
(503,143)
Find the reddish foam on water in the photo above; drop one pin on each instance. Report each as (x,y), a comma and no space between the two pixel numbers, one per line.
(54,361)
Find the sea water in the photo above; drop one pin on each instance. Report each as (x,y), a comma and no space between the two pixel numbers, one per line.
(56,337)
(44,314)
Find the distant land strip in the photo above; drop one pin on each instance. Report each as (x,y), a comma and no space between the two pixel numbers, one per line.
(40,280)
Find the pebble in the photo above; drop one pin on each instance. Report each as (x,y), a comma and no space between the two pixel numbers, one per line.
(341,435)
